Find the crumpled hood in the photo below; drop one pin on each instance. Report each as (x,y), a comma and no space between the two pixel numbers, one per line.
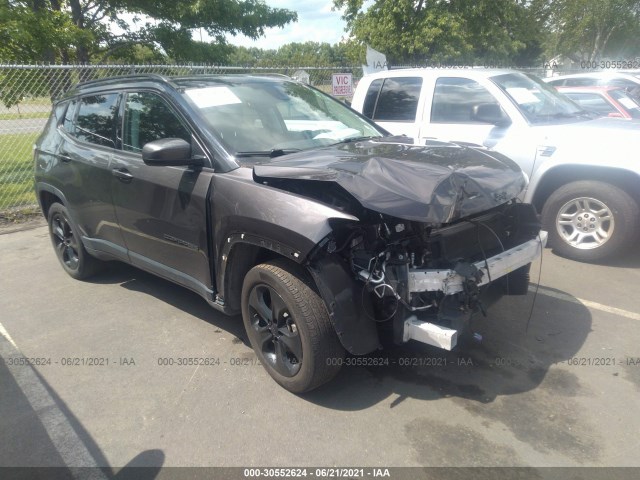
(433,183)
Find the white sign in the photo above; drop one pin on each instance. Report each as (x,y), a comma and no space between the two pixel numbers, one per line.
(212,96)
(342,84)
(376,62)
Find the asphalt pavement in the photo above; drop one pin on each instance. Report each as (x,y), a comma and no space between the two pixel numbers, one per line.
(560,389)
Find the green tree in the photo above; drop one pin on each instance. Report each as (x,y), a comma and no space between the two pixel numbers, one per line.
(79,30)
(461,31)
(587,30)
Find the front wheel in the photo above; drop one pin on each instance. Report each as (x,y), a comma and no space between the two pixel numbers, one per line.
(289,327)
(590,220)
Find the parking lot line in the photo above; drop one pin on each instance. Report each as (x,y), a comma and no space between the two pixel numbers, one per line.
(587,303)
(64,438)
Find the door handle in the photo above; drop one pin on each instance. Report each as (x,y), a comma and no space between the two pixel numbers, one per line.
(122,174)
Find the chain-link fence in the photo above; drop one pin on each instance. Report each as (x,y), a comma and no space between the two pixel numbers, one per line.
(26,92)
(25,102)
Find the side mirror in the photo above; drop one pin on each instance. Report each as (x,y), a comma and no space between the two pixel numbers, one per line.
(490,113)
(169,152)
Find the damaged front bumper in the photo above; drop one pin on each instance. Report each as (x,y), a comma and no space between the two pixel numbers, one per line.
(450,282)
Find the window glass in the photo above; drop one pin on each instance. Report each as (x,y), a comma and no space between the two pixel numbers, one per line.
(580,82)
(67,123)
(254,117)
(371,98)
(630,105)
(539,102)
(95,122)
(398,99)
(617,82)
(556,83)
(593,102)
(456,99)
(147,117)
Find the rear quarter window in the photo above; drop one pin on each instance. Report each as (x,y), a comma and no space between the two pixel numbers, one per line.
(95,121)
(398,100)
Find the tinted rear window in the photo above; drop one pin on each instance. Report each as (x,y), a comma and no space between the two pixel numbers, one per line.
(95,122)
(398,99)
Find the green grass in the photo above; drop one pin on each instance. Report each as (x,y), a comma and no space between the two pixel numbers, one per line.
(23,115)
(16,170)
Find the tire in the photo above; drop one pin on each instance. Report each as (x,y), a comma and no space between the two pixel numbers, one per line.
(612,220)
(68,246)
(300,350)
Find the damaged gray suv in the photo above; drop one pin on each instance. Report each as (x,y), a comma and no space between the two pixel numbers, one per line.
(271,199)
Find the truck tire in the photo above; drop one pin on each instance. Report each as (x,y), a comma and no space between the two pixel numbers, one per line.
(590,220)
(289,328)
(68,246)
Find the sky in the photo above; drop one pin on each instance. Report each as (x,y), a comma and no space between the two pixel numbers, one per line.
(316,22)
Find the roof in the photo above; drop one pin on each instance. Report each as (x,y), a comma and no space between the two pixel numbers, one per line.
(605,74)
(593,89)
(169,82)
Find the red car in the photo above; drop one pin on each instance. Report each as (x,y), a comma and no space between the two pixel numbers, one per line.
(606,101)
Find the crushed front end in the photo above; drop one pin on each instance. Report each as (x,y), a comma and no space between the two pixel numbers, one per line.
(424,282)
(439,226)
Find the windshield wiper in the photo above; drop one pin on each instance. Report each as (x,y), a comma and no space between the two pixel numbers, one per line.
(273,153)
(355,139)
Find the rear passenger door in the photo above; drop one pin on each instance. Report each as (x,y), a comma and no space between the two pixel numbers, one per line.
(85,154)
(162,210)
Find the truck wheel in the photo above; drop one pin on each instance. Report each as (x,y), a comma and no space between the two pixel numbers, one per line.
(289,328)
(590,220)
(69,249)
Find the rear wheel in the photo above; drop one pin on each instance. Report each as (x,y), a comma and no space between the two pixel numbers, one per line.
(289,327)
(68,246)
(590,220)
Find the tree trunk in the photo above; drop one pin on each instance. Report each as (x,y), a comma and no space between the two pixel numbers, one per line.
(78,19)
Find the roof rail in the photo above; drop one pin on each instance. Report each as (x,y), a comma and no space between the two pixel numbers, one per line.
(133,76)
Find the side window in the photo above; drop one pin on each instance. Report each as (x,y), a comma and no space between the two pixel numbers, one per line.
(556,83)
(592,101)
(580,82)
(618,82)
(147,117)
(95,122)
(455,100)
(69,116)
(398,99)
(371,98)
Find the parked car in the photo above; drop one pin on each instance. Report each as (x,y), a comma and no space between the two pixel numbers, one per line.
(271,199)
(584,174)
(630,81)
(604,101)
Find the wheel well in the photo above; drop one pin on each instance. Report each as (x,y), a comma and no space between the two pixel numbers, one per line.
(242,258)
(561,175)
(46,200)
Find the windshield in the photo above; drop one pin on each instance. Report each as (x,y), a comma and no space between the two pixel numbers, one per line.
(538,101)
(265,116)
(630,105)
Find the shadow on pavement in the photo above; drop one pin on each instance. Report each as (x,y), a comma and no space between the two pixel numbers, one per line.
(29,452)
(507,361)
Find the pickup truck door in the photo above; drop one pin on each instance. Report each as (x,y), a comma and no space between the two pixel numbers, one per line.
(451,113)
(162,210)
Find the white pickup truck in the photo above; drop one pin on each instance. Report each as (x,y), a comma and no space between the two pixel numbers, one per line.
(584,172)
